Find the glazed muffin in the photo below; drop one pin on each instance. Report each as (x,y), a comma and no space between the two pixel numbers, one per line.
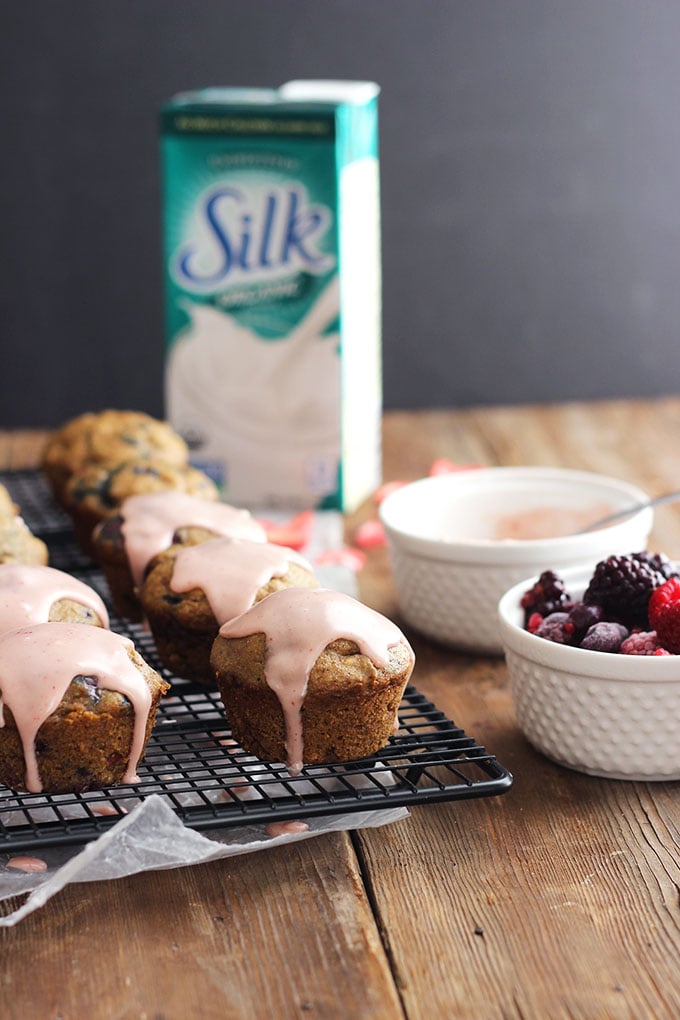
(191,590)
(36,594)
(109,437)
(95,491)
(79,704)
(311,676)
(145,525)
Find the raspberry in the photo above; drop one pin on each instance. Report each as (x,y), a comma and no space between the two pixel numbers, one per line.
(664,614)
(547,596)
(555,628)
(534,622)
(622,585)
(605,637)
(642,642)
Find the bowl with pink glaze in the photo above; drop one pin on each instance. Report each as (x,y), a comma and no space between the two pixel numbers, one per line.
(457,542)
(602,713)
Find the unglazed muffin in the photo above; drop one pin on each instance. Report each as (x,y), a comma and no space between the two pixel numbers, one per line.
(8,507)
(36,594)
(191,590)
(18,544)
(145,525)
(95,492)
(79,704)
(310,676)
(109,437)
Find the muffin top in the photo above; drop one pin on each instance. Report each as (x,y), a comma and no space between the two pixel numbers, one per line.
(19,545)
(149,523)
(101,490)
(110,437)
(8,507)
(38,666)
(296,627)
(221,578)
(37,594)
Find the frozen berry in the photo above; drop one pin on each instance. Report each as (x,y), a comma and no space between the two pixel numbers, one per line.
(555,628)
(534,622)
(605,637)
(642,642)
(622,585)
(658,562)
(664,614)
(547,596)
(581,617)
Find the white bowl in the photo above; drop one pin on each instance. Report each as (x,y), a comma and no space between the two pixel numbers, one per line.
(608,715)
(450,571)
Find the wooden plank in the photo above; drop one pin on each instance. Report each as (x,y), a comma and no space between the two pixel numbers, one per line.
(282,933)
(560,898)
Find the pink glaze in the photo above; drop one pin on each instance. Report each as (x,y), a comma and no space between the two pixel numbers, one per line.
(285,828)
(30,864)
(27,594)
(231,572)
(38,663)
(546,522)
(298,624)
(150,521)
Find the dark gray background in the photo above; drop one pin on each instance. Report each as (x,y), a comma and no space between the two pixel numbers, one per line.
(530,180)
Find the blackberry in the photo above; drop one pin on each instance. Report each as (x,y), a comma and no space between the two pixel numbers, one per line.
(622,585)
(547,596)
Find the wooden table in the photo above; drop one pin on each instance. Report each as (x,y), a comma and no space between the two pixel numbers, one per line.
(558,899)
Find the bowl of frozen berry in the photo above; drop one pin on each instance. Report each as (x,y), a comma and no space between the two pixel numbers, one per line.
(593,657)
(458,541)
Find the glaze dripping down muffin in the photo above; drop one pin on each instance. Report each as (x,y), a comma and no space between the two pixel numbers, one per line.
(311,676)
(37,594)
(77,706)
(191,590)
(147,524)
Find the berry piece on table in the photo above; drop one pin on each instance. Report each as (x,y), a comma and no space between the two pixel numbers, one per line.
(664,614)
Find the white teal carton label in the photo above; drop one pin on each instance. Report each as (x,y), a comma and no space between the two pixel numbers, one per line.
(272,284)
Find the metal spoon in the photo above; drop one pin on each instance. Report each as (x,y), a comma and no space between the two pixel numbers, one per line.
(667,497)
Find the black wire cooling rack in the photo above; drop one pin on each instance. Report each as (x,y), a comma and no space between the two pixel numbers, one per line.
(192,762)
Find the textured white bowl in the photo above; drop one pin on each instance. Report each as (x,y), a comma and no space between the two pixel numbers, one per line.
(449,576)
(608,715)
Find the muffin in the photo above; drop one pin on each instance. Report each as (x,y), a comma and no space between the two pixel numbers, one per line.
(79,704)
(191,590)
(108,438)
(96,491)
(8,507)
(311,676)
(145,525)
(19,545)
(37,594)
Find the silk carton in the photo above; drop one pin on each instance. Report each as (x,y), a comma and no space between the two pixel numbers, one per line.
(272,289)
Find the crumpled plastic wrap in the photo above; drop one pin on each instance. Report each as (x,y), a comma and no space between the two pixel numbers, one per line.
(152,838)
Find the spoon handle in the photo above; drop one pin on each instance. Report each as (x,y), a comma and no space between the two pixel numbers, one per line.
(666,497)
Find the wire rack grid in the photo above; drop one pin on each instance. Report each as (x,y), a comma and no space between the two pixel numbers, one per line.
(193,763)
